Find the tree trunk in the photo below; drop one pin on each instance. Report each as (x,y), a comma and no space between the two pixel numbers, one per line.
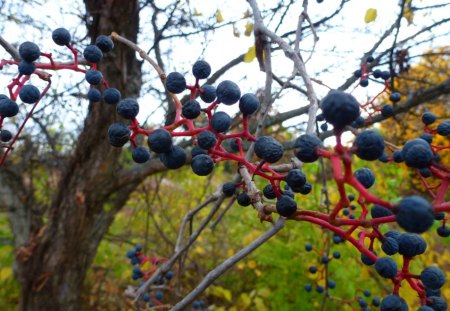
(52,264)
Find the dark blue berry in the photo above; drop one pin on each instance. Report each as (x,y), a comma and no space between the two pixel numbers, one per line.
(174,158)
(201,69)
(364,82)
(61,36)
(365,176)
(268,192)
(118,134)
(387,111)
(128,108)
(370,59)
(395,97)
(206,139)
(8,108)
(385,75)
(92,54)
(5,135)
(377,73)
(94,95)
(428,118)
(175,82)
(208,94)
(29,51)
(243,199)
(305,189)
(196,150)
(29,94)
(390,246)
(411,245)
(393,303)
(443,128)
(220,121)
(427,137)
(417,153)
(339,108)
(386,267)
(228,92)
(308,247)
(415,214)
(140,154)
(26,68)
(104,43)
(357,73)
(378,211)
(160,141)
(369,145)
(268,149)
(312,269)
(367,260)
(286,206)
(432,277)
(305,148)
(336,255)
(441,231)
(111,96)
(191,109)
(397,156)
(202,165)
(295,178)
(229,189)
(248,104)
(93,77)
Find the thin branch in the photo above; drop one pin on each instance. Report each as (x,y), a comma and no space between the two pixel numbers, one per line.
(228,263)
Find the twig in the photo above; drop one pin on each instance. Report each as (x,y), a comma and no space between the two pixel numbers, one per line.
(228,263)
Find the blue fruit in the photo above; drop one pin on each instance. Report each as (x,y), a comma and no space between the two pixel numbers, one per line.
(140,154)
(191,109)
(367,260)
(220,121)
(395,97)
(411,245)
(29,51)
(29,94)
(228,92)
(390,246)
(268,149)
(387,111)
(417,153)
(8,108)
(428,118)
(386,267)
(378,211)
(202,165)
(93,77)
(128,108)
(286,206)
(61,36)
(26,68)
(415,214)
(295,178)
(206,139)
(104,43)
(268,192)
(248,104)
(208,94)
(393,303)
(175,82)
(306,146)
(94,95)
(111,96)
(369,145)
(201,69)
(174,158)
(160,141)
(243,199)
(118,134)
(92,54)
(339,108)
(432,277)
(365,176)
(5,135)
(229,189)
(443,128)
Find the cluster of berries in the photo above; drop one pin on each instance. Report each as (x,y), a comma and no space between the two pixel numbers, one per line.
(143,268)
(29,94)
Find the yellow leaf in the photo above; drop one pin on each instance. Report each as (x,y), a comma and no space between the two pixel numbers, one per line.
(250,56)
(227,294)
(197,13)
(251,264)
(371,15)
(5,273)
(200,250)
(244,301)
(240,265)
(230,252)
(219,17)
(248,29)
(259,305)
(258,272)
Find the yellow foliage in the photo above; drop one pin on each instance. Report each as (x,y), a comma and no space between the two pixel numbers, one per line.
(5,273)
(250,55)
(219,17)
(248,29)
(371,15)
